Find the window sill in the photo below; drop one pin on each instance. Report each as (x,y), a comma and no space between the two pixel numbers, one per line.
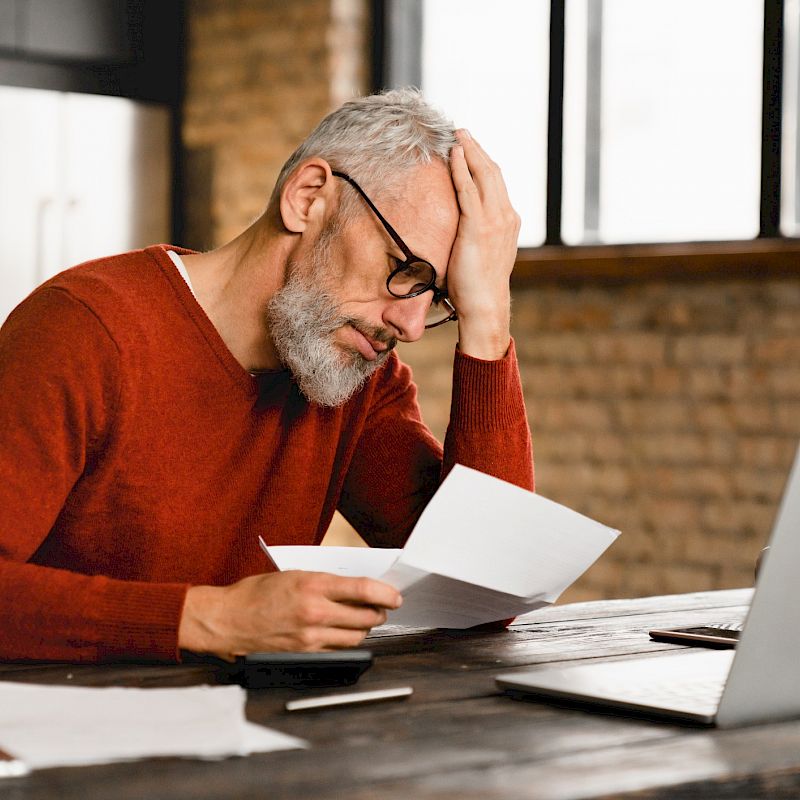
(701,261)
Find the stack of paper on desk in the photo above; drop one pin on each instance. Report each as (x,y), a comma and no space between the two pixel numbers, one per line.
(483,550)
(63,726)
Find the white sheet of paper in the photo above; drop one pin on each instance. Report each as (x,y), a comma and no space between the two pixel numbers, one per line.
(482,550)
(482,530)
(354,562)
(58,726)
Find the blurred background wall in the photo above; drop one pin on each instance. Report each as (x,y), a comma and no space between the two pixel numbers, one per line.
(259,76)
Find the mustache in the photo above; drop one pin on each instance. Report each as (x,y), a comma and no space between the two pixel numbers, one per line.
(376,333)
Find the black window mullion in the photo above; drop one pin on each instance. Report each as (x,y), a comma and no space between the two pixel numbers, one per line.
(771,112)
(555,122)
(378,53)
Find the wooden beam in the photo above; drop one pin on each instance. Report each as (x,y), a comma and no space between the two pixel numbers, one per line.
(685,261)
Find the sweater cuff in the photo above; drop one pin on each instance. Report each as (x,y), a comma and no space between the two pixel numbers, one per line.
(487,395)
(139,621)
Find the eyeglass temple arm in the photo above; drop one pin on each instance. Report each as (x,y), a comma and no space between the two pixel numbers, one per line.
(389,229)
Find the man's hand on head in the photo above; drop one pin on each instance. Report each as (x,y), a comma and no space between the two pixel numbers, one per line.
(484,251)
(284,612)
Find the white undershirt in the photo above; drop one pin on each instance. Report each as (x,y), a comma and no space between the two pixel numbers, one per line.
(181,267)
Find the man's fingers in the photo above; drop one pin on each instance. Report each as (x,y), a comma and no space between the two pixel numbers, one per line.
(467,192)
(362,591)
(315,640)
(341,639)
(478,161)
(354,617)
(477,157)
(485,172)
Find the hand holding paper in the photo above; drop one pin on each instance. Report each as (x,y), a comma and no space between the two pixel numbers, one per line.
(483,550)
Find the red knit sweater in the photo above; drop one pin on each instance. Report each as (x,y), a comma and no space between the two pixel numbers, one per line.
(137,457)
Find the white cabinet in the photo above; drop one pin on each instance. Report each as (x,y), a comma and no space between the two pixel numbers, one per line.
(29,186)
(81,176)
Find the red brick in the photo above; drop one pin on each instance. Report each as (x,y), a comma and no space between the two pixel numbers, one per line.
(584,590)
(735,576)
(564,446)
(581,317)
(786,320)
(707,382)
(687,578)
(591,479)
(692,481)
(766,451)
(650,415)
(588,415)
(784,382)
(567,348)
(684,448)
(712,549)
(745,518)
(709,349)
(753,381)
(628,347)
(764,485)
(606,573)
(608,447)
(673,515)
(666,381)
(787,417)
(734,416)
(639,545)
(778,349)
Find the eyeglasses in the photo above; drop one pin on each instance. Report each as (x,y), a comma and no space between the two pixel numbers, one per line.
(415,275)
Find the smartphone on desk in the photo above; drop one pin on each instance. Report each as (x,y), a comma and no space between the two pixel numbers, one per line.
(301,670)
(721,636)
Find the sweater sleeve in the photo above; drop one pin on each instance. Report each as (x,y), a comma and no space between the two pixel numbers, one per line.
(398,464)
(488,428)
(59,385)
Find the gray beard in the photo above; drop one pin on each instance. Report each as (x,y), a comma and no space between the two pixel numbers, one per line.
(302,318)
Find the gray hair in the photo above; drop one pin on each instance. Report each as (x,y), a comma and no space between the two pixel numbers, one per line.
(376,139)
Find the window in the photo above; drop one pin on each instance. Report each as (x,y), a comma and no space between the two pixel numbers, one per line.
(790,194)
(487,67)
(662,120)
(657,131)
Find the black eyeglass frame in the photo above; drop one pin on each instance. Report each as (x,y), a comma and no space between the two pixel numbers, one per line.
(439,295)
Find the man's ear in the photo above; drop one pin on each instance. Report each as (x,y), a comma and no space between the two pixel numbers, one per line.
(305,193)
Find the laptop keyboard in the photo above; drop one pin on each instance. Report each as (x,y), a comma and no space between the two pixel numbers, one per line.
(704,692)
(690,682)
(727,626)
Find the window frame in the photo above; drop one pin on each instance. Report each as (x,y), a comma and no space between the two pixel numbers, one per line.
(771,254)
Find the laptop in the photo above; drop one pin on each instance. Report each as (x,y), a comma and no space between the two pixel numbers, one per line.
(756,682)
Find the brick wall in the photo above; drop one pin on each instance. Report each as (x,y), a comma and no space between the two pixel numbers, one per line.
(668,410)
(260,75)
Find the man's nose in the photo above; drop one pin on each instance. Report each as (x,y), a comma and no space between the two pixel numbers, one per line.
(406,316)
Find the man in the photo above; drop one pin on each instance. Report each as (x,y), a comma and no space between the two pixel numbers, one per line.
(160,409)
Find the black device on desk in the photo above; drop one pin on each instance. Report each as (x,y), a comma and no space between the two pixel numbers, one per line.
(300,670)
(717,636)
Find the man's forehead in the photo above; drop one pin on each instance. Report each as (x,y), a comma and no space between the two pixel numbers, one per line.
(424,211)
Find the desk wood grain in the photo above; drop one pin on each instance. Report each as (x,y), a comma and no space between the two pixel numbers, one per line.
(458,737)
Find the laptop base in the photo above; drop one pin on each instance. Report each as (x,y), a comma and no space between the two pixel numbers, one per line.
(685,687)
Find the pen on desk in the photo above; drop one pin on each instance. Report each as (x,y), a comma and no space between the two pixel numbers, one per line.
(350,698)
(11,766)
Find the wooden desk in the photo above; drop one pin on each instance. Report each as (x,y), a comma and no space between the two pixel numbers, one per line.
(457,737)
